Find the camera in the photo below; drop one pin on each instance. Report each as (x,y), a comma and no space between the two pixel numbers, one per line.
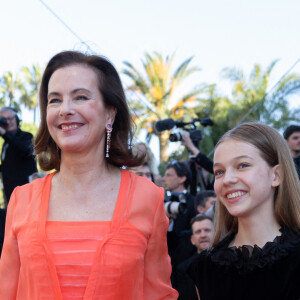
(175,204)
(195,135)
(190,127)
(3,122)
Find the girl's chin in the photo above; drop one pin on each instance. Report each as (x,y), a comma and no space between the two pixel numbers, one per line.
(235,212)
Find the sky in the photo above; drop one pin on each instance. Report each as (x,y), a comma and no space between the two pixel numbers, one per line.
(217,33)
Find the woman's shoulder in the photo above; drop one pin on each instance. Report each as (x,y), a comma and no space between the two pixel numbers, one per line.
(146,196)
(144,186)
(31,190)
(36,183)
(25,201)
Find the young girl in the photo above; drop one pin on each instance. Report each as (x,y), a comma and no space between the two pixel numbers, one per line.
(256,250)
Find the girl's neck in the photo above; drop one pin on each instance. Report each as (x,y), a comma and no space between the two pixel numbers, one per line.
(256,231)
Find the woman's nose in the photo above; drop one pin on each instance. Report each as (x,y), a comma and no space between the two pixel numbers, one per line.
(66,108)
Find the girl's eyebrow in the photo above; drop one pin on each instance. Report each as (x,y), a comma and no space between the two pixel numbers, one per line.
(234,159)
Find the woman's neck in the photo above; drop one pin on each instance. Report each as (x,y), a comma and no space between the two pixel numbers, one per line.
(83,169)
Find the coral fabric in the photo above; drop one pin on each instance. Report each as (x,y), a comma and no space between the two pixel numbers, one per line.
(131,262)
(74,245)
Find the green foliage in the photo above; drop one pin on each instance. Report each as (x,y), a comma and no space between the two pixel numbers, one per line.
(10,85)
(153,95)
(29,127)
(21,89)
(31,78)
(250,101)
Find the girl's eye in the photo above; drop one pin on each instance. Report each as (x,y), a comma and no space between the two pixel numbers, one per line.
(218,172)
(243,165)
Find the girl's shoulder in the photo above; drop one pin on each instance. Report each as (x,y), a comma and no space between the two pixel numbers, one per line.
(248,258)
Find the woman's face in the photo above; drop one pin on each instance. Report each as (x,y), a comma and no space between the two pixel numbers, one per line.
(76,114)
(244,182)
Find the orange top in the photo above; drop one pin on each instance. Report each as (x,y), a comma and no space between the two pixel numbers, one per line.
(74,245)
(130,263)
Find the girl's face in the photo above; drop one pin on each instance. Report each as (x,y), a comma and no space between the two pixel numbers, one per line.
(244,182)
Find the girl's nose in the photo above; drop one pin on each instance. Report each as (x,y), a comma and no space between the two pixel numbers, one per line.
(229,177)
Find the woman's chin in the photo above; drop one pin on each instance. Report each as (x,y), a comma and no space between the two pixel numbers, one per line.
(72,148)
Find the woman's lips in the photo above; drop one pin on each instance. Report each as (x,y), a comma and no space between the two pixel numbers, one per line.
(68,127)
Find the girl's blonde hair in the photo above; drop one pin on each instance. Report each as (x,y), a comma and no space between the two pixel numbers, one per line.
(275,151)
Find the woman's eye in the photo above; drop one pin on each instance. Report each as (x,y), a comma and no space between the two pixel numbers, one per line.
(54,100)
(81,97)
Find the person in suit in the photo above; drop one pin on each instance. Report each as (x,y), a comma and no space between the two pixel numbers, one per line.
(2,227)
(202,231)
(292,137)
(176,180)
(205,200)
(17,158)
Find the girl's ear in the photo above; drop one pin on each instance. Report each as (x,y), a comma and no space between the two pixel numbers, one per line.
(276,178)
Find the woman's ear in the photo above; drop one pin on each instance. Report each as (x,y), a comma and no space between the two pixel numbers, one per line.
(276,180)
(111,114)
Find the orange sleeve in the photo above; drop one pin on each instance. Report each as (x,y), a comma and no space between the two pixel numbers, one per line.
(10,261)
(157,261)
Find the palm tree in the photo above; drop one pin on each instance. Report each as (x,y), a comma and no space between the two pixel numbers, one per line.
(253,101)
(9,87)
(218,107)
(156,95)
(29,91)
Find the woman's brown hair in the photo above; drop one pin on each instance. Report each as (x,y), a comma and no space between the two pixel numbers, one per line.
(110,86)
(274,151)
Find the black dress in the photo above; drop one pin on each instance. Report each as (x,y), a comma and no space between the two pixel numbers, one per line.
(244,273)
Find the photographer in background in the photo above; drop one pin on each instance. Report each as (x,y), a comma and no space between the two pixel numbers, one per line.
(205,200)
(176,180)
(17,157)
(202,233)
(142,170)
(180,208)
(200,159)
(292,137)
(143,149)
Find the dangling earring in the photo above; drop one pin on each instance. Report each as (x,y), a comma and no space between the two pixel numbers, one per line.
(108,138)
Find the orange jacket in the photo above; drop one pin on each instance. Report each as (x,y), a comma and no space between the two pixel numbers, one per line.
(130,263)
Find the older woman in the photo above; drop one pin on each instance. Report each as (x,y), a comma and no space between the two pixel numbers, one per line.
(89,230)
